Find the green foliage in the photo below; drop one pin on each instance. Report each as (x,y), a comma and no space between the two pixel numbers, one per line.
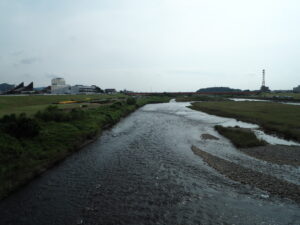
(240,137)
(152,100)
(10,148)
(131,101)
(202,98)
(53,113)
(116,105)
(19,126)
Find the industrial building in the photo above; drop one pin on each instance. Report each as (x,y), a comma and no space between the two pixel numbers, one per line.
(110,91)
(83,89)
(59,86)
(296,89)
(21,89)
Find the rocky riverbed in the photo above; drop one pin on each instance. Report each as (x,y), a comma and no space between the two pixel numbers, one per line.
(253,178)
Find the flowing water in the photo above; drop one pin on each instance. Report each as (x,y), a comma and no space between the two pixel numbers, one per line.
(143,171)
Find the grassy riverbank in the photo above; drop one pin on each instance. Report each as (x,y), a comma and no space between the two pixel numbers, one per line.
(202,98)
(280,119)
(31,144)
(240,137)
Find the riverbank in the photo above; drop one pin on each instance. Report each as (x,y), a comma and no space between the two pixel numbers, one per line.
(274,118)
(246,141)
(59,134)
(247,176)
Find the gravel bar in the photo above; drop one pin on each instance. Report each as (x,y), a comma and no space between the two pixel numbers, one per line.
(279,154)
(247,176)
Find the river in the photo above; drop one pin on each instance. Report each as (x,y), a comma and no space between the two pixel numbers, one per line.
(142,171)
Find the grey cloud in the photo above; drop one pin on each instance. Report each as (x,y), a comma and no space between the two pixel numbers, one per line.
(73,38)
(27,76)
(17,53)
(51,75)
(251,74)
(29,60)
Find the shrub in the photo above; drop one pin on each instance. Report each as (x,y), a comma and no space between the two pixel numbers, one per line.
(116,105)
(52,113)
(19,126)
(131,101)
(76,114)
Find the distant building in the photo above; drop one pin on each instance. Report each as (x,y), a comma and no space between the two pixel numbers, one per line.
(126,91)
(44,90)
(83,89)
(58,86)
(22,89)
(296,89)
(110,91)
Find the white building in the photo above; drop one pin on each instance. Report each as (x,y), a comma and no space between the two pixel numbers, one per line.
(82,89)
(297,89)
(58,81)
(58,86)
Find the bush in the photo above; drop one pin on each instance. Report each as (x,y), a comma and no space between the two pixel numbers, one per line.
(131,101)
(240,137)
(76,114)
(19,126)
(116,105)
(53,113)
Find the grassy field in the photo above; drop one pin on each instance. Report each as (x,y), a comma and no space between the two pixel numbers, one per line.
(31,144)
(31,104)
(270,95)
(203,98)
(281,119)
(240,137)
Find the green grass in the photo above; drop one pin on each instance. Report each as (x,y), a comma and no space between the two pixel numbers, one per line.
(21,158)
(200,98)
(33,103)
(240,137)
(281,119)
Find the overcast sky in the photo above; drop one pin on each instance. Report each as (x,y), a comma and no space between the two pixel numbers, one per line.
(151,45)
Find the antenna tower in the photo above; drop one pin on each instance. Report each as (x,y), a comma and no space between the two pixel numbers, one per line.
(263,78)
